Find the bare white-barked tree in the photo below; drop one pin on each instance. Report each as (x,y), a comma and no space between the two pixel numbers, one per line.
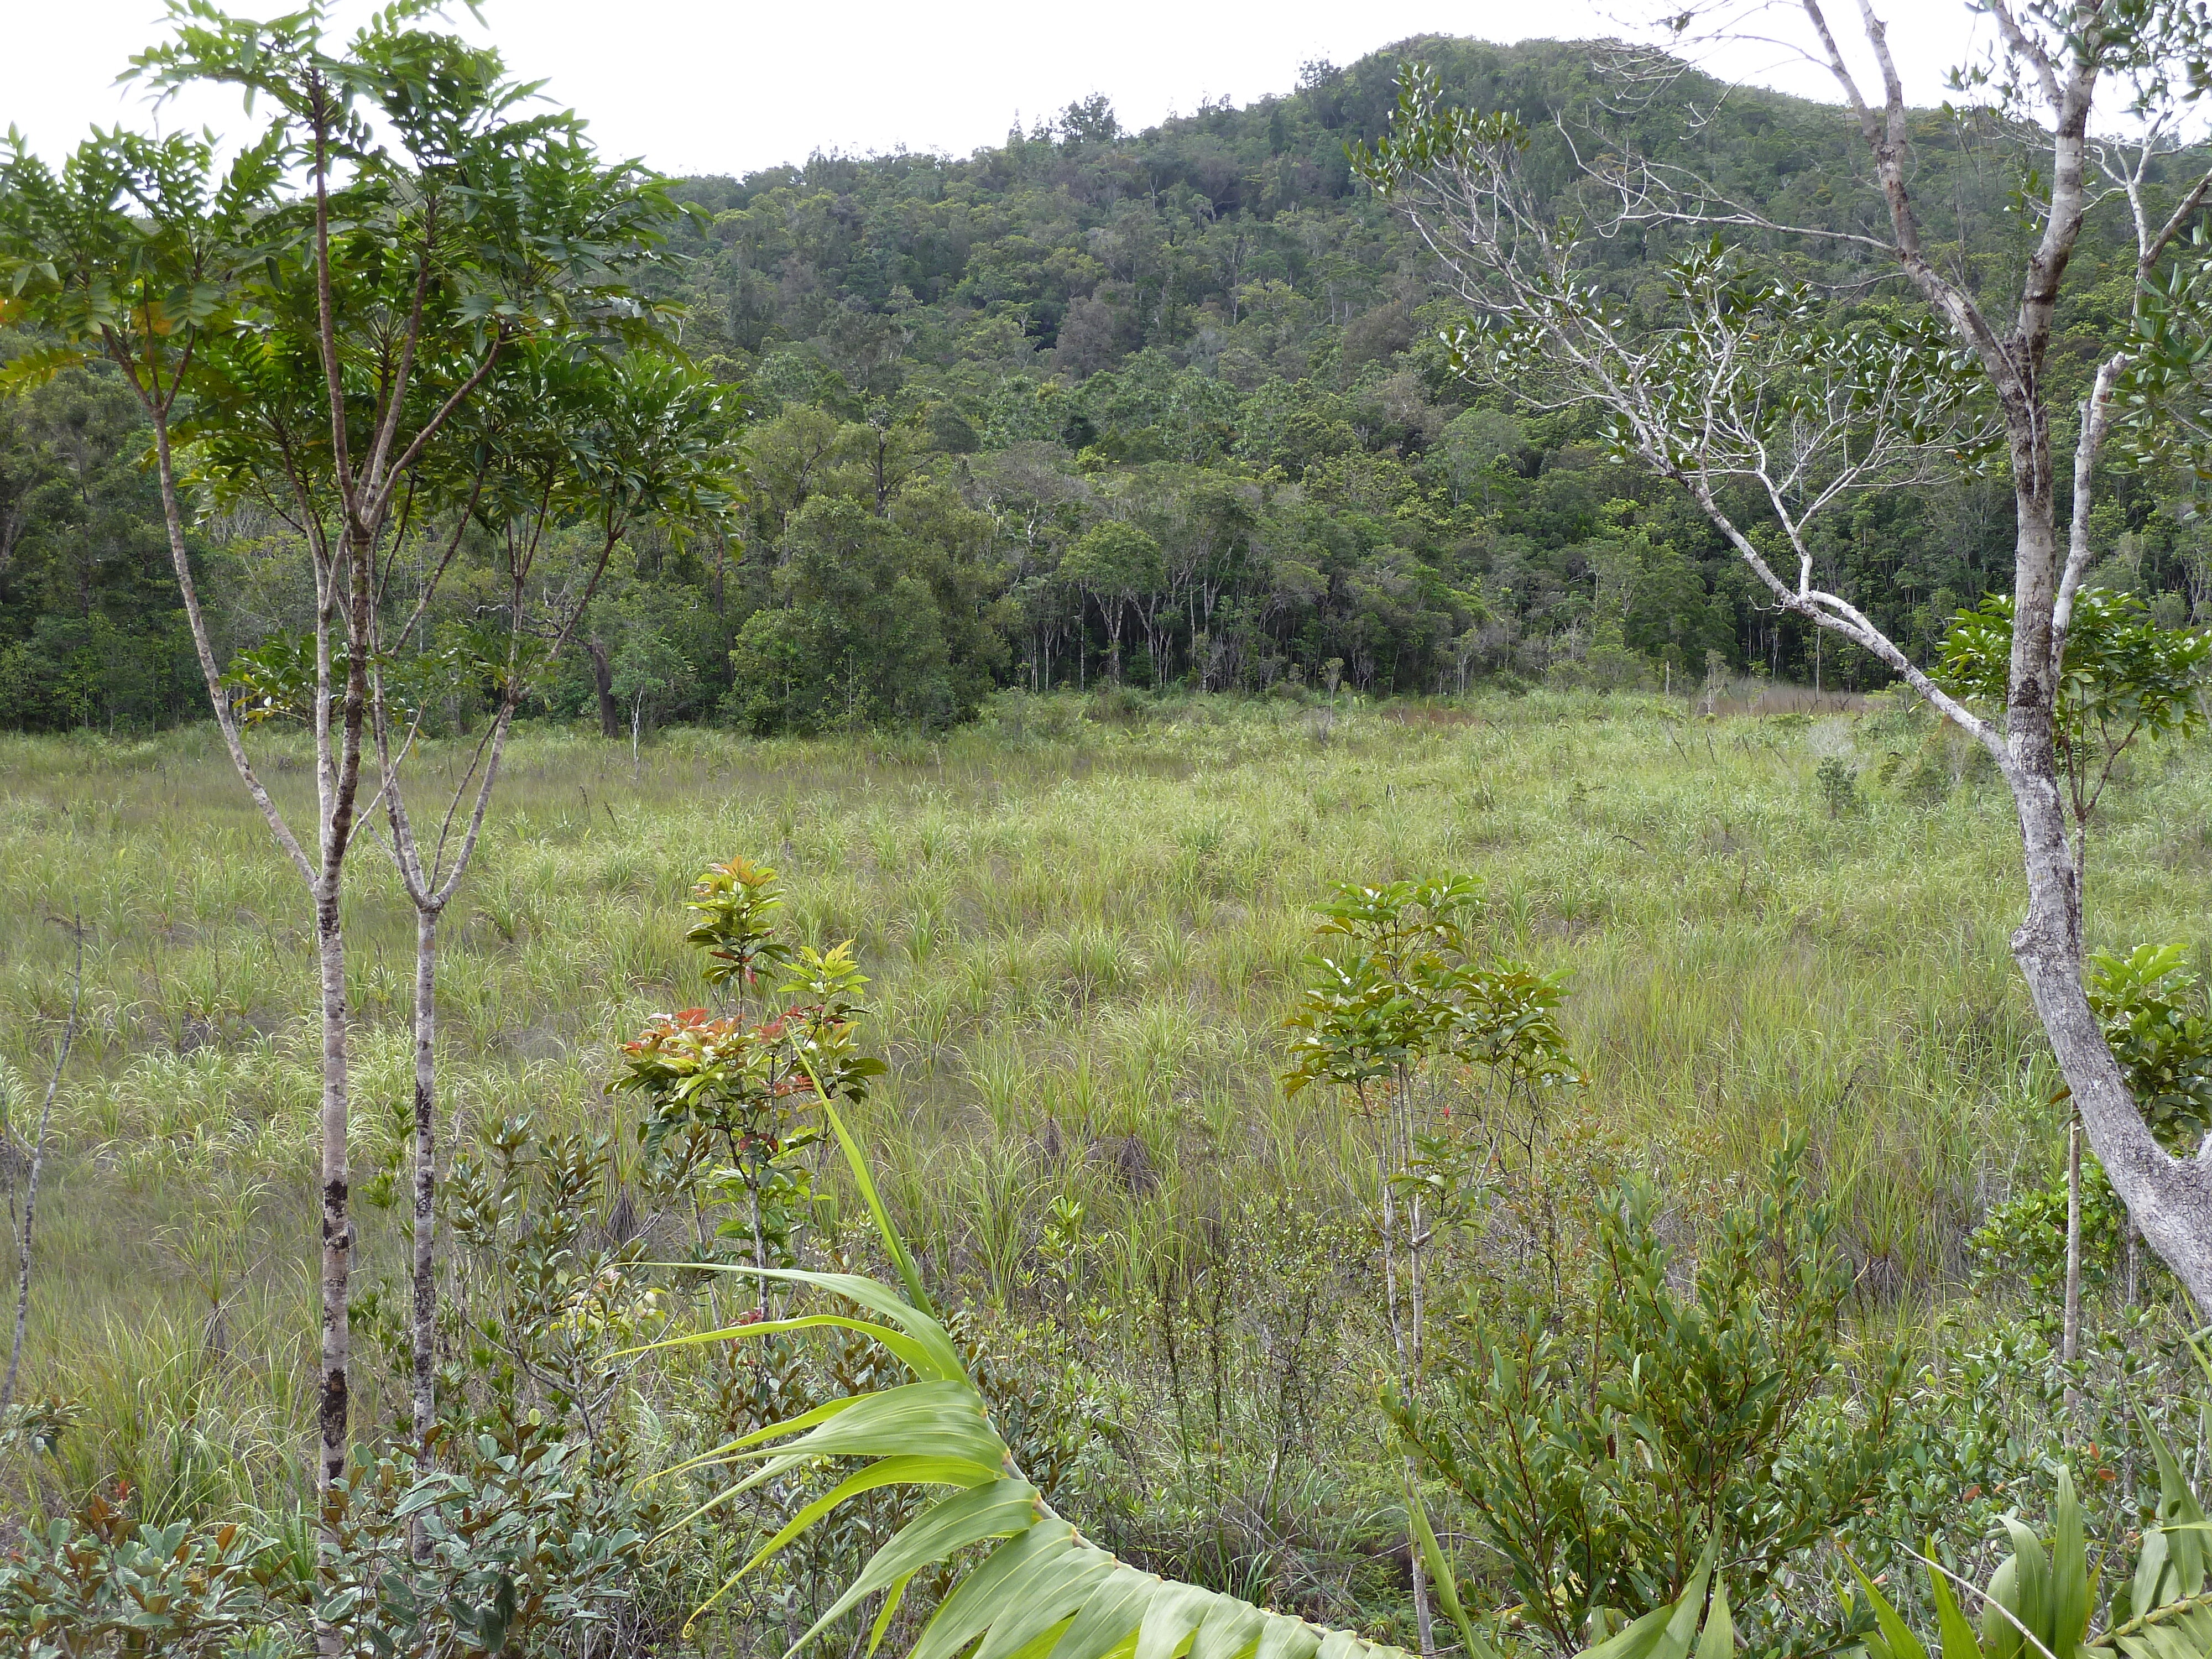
(1771,401)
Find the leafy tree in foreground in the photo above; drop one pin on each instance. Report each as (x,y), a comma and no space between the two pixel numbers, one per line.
(1769,410)
(1396,997)
(314,351)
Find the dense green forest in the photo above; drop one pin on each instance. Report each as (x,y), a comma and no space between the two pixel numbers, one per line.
(1166,407)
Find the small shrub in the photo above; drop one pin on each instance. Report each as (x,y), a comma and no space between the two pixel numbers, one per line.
(1839,786)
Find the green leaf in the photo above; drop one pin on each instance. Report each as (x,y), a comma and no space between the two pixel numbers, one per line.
(1667,1631)
(2072,1601)
(1000,1509)
(1896,1635)
(1719,1640)
(924,1419)
(1957,1634)
(908,1274)
(1043,1591)
(1445,1580)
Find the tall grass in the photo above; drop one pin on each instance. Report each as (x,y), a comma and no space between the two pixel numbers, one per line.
(1083,936)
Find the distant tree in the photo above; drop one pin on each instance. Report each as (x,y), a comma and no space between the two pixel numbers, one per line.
(1116,564)
(651,675)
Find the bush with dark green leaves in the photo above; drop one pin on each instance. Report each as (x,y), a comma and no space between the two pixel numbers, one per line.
(1600,1440)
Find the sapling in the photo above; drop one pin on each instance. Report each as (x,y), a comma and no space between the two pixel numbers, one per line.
(1395,992)
(33,1161)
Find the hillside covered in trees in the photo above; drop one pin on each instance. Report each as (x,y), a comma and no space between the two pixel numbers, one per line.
(1164,407)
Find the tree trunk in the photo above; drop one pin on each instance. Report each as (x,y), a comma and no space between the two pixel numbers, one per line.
(603,680)
(426,1176)
(2170,1199)
(2070,1340)
(337,1224)
(38,1163)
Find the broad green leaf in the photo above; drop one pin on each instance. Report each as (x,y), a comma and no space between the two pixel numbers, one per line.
(920,1419)
(1172,1616)
(1110,1617)
(908,1274)
(1027,1585)
(1957,1635)
(1665,1632)
(885,1472)
(1896,1635)
(915,1355)
(998,1510)
(1718,1641)
(1445,1579)
(2070,1601)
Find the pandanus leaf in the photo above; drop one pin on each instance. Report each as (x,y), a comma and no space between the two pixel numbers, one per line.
(1666,1632)
(2071,1597)
(1043,1592)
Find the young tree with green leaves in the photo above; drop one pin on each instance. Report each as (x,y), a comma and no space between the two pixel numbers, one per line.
(1611,1442)
(1396,1001)
(1771,406)
(558,443)
(307,325)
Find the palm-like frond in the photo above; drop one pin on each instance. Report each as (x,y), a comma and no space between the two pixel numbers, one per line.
(1043,1591)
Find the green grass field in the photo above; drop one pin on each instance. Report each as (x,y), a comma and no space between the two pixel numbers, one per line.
(1084,934)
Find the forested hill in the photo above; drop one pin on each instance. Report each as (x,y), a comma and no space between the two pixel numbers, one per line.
(1167,403)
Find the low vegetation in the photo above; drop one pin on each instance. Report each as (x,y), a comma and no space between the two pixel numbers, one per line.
(1083,923)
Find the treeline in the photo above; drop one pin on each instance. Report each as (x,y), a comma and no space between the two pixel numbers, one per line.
(1165,407)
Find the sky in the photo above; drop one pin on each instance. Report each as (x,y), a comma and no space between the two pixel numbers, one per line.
(725,86)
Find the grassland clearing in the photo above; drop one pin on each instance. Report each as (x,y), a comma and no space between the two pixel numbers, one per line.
(1083,928)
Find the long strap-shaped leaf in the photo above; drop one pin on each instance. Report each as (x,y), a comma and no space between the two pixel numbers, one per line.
(1045,1592)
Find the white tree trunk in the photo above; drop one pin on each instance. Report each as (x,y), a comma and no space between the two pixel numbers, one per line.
(426,1175)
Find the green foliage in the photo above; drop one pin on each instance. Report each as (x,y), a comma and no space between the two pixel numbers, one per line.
(877,617)
(2022,1240)
(744,1089)
(1839,786)
(2153,1013)
(1038,1583)
(733,903)
(1605,1441)
(2042,1598)
(1017,336)
(522,1536)
(1394,985)
(99,1582)
(2124,677)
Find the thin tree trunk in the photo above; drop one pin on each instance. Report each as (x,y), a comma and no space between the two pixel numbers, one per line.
(602,681)
(2069,1346)
(337,1223)
(426,1175)
(31,1183)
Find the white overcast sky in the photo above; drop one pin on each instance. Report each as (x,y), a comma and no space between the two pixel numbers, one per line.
(725,86)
